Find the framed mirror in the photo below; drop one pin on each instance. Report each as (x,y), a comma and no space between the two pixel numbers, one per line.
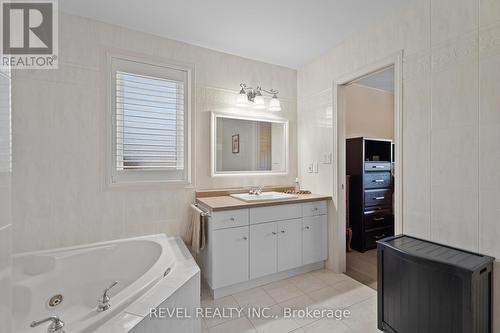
(247,145)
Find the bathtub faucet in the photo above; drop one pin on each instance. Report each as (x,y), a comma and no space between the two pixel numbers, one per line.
(103,301)
(56,325)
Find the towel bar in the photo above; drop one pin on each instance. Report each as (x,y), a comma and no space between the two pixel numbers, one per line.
(203,212)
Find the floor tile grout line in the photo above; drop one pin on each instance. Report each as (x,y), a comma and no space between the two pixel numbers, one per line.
(306,294)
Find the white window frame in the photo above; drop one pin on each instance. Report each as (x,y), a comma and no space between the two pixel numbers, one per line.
(142,65)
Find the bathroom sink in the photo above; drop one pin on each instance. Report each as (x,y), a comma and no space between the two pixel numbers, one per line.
(264,196)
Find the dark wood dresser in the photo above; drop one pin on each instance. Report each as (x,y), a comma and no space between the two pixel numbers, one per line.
(369,165)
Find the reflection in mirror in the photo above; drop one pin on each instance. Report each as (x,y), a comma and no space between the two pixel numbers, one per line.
(246,145)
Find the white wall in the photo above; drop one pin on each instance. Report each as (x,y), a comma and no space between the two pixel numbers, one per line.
(58,135)
(451,115)
(5,203)
(369,112)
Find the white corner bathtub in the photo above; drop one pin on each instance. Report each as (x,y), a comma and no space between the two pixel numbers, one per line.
(148,269)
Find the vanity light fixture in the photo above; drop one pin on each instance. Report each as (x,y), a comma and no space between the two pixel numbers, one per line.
(274,103)
(250,96)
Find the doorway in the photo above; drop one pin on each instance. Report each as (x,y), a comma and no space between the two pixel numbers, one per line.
(369,110)
(389,66)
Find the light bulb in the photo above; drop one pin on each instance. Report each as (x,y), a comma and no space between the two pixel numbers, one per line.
(258,101)
(242,99)
(274,104)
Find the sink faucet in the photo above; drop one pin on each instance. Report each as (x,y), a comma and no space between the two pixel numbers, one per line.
(56,325)
(256,190)
(103,301)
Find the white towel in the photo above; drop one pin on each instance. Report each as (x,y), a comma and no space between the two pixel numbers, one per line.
(195,236)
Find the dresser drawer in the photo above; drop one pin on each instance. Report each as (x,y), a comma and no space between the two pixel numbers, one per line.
(377,166)
(373,236)
(275,213)
(314,208)
(378,218)
(378,197)
(378,180)
(229,219)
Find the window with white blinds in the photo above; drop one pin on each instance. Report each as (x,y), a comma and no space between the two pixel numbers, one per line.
(150,118)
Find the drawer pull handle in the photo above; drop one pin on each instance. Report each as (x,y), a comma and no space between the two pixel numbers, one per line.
(231,219)
(274,232)
(283,231)
(377,181)
(377,166)
(315,209)
(379,198)
(379,237)
(245,237)
(307,227)
(379,219)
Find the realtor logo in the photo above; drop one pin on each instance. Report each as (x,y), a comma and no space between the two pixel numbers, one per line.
(29,34)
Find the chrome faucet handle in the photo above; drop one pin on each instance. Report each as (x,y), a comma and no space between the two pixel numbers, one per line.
(259,189)
(56,325)
(103,301)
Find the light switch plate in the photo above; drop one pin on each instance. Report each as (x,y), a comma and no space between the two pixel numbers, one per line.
(327,158)
(310,168)
(316,167)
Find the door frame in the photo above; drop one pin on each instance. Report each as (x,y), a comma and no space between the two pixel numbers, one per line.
(338,250)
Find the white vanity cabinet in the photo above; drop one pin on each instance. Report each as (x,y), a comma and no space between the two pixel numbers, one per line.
(314,232)
(230,256)
(275,247)
(252,246)
(290,244)
(263,246)
(314,239)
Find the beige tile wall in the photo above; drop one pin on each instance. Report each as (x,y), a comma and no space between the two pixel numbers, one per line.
(451,116)
(58,193)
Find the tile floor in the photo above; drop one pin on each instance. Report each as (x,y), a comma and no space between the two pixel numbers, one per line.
(363,267)
(321,289)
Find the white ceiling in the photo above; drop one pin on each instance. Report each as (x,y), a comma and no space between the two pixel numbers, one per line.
(290,33)
(383,80)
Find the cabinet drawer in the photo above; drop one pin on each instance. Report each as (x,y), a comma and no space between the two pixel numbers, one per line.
(378,218)
(378,197)
(229,219)
(314,208)
(373,236)
(378,180)
(377,166)
(275,213)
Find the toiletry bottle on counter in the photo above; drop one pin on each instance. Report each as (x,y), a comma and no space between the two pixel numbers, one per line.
(297,185)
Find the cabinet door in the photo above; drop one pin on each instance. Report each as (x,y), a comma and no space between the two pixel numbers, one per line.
(263,240)
(314,239)
(289,244)
(230,256)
